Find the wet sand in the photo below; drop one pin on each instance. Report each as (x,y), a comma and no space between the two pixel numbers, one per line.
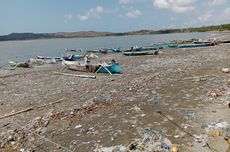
(185,85)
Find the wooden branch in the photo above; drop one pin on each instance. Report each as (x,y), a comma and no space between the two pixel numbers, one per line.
(199,77)
(75,75)
(49,104)
(16,113)
(12,75)
(30,109)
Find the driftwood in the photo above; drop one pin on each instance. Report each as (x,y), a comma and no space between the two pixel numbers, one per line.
(16,113)
(30,109)
(199,77)
(51,103)
(13,75)
(75,75)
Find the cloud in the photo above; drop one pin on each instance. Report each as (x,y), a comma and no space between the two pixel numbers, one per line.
(206,17)
(211,18)
(217,2)
(133,14)
(91,13)
(225,16)
(125,2)
(68,17)
(173,18)
(177,6)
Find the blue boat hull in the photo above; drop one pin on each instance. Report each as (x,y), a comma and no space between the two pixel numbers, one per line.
(113,68)
(73,57)
(192,45)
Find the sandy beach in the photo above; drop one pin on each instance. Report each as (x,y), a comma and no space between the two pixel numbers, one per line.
(177,98)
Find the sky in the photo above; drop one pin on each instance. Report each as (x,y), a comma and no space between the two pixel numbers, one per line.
(49,16)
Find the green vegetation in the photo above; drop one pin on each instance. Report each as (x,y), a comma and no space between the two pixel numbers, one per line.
(223,27)
(30,36)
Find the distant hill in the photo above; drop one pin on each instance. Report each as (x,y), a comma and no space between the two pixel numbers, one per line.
(31,36)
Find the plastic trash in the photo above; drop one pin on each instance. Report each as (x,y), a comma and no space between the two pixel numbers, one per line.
(174,148)
(155,102)
(226,70)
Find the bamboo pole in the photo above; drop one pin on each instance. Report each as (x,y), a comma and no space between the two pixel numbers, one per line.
(199,77)
(75,75)
(30,109)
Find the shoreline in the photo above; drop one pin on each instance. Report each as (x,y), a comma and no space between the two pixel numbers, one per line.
(86,37)
(115,110)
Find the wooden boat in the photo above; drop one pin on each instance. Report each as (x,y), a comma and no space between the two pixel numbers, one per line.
(99,68)
(91,55)
(43,61)
(73,50)
(169,45)
(135,53)
(92,51)
(64,62)
(43,57)
(82,67)
(104,51)
(133,49)
(144,48)
(26,64)
(225,41)
(110,50)
(193,45)
(73,57)
(153,47)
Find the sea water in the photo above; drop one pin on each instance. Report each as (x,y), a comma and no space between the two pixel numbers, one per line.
(25,49)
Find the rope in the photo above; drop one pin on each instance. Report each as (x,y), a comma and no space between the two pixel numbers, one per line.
(197,118)
(175,124)
(42,137)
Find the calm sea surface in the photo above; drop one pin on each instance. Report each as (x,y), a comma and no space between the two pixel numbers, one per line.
(22,50)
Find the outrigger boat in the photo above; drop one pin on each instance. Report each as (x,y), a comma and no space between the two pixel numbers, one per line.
(95,68)
(26,64)
(73,57)
(139,53)
(43,57)
(74,50)
(195,45)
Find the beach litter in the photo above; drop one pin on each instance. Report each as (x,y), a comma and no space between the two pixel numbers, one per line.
(151,141)
(226,70)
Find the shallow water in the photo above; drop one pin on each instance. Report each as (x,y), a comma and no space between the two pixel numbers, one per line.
(22,50)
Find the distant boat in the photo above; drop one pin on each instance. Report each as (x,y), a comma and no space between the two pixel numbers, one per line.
(224,41)
(194,45)
(134,49)
(44,57)
(110,50)
(169,45)
(73,57)
(92,51)
(73,50)
(136,53)
(105,50)
(43,61)
(144,48)
(153,47)
(26,64)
